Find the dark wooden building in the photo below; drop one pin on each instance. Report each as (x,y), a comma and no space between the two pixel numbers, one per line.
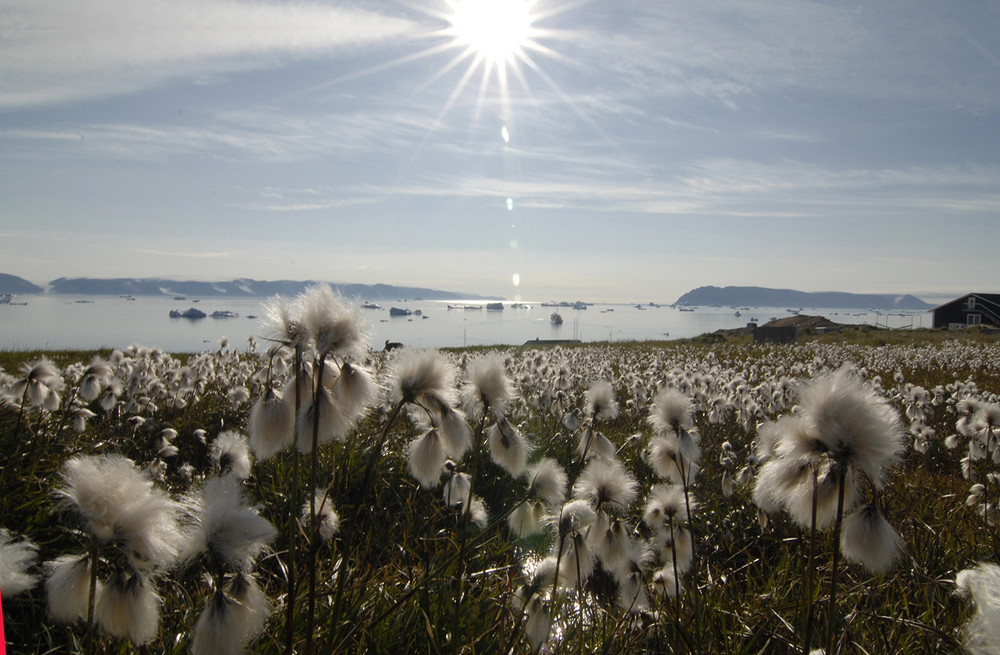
(775,334)
(970,309)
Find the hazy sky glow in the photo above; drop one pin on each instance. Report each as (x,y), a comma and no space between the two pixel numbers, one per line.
(618,150)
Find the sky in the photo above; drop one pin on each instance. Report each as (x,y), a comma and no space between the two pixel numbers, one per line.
(603,150)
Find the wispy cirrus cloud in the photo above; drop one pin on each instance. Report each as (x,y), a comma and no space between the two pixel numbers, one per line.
(738,188)
(186,254)
(730,50)
(263,134)
(291,206)
(61,50)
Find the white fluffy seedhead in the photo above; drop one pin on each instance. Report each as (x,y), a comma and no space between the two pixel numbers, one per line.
(680,544)
(230,453)
(232,616)
(868,539)
(272,423)
(43,372)
(853,423)
(612,542)
(788,483)
(671,412)
(457,486)
(67,587)
(327,519)
(417,374)
(217,631)
(631,578)
(149,528)
(773,480)
(255,608)
(223,527)
(426,456)
(666,505)
(571,420)
(607,485)
(632,596)
(601,401)
(479,514)
(129,608)
(577,561)
(986,417)
(981,634)
(664,456)
(508,448)
(527,519)
(334,327)
(574,517)
(93,380)
(355,389)
(593,443)
(323,417)
(16,557)
(282,322)
(666,583)
(487,386)
(119,501)
(547,479)
(455,432)
(538,624)
(544,574)
(768,435)
(100,488)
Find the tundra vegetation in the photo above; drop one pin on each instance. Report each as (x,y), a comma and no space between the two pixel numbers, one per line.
(307,494)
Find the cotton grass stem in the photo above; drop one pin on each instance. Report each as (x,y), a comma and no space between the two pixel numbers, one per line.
(677,581)
(20,412)
(92,595)
(810,566)
(686,484)
(590,440)
(429,574)
(293,514)
(580,608)
(350,528)
(313,474)
(831,610)
(66,414)
(986,487)
(370,468)
(467,514)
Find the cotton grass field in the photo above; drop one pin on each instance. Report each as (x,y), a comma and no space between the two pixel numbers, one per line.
(705,496)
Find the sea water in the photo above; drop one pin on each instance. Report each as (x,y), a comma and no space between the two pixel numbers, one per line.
(60,322)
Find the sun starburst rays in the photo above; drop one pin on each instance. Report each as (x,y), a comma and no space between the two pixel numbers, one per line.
(485,48)
(491,36)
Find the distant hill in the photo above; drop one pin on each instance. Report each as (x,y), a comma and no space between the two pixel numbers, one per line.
(241,288)
(763,297)
(15,284)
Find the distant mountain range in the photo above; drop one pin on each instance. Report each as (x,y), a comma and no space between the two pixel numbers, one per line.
(14,284)
(240,288)
(247,288)
(763,297)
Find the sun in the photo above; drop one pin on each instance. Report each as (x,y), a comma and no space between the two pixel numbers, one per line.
(496,41)
(495,32)
(498,38)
